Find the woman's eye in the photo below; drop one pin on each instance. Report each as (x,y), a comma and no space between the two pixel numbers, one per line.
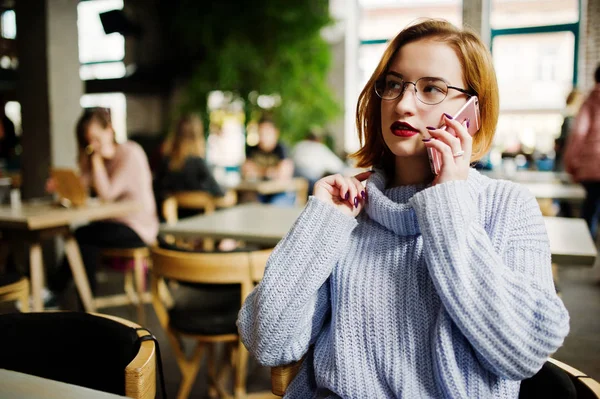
(433,89)
(393,85)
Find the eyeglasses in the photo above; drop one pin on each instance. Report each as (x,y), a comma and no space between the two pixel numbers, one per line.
(428,90)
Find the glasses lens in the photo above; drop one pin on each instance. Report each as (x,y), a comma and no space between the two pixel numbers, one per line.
(431,91)
(389,87)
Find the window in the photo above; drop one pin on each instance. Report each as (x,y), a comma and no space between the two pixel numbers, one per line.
(101,55)
(523,13)
(9,24)
(534,46)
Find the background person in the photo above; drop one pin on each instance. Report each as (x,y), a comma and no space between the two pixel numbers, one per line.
(269,161)
(582,155)
(114,172)
(313,160)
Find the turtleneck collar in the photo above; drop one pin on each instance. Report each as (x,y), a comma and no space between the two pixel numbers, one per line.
(390,206)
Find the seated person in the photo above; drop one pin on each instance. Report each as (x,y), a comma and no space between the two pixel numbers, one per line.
(269,161)
(116,172)
(183,167)
(314,160)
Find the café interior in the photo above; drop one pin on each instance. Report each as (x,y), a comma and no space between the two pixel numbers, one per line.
(151,313)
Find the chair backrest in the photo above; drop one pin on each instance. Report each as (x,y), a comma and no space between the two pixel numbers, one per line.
(91,350)
(200,200)
(586,386)
(242,268)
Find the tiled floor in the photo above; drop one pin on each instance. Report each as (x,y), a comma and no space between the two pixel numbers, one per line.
(580,292)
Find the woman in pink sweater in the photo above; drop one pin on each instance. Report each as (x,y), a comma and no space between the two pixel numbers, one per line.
(582,155)
(114,172)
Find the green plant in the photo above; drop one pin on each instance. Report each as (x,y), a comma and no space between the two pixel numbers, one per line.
(269,47)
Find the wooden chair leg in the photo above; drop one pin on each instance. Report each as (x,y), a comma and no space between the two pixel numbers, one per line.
(129,288)
(24,298)
(240,372)
(189,371)
(140,285)
(36,266)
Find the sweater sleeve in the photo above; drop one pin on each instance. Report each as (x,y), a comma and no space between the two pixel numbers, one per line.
(503,301)
(285,312)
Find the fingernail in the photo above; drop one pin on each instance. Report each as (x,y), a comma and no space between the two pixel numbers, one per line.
(430,128)
(448,116)
(468,123)
(426,140)
(347,195)
(356,202)
(362,193)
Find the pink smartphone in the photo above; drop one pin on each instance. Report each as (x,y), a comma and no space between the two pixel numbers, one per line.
(468,111)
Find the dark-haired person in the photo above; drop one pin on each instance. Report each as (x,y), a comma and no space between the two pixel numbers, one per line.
(269,160)
(115,172)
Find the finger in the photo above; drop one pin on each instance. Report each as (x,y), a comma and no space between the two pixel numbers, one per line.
(353,199)
(361,193)
(448,138)
(363,175)
(445,151)
(460,128)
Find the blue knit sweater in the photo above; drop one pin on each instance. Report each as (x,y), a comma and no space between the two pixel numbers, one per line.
(433,292)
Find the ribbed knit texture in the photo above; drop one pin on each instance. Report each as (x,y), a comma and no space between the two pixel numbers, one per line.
(432,292)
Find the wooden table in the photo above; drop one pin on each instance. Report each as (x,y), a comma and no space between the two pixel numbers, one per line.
(573,191)
(35,222)
(15,385)
(529,176)
(266,187)
(570,240)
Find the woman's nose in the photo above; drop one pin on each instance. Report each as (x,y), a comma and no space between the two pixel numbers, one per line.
(407,101)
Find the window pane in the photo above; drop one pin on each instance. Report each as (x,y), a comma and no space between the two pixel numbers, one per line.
(521,13)
(383,19)
(94,44)
(535,75)
(9,25)
(535,71)
(109,70)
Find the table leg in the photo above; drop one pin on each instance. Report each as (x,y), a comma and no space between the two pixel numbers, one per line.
(36,268)
(79,275)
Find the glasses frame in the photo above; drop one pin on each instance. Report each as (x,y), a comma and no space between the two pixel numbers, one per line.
(405,82)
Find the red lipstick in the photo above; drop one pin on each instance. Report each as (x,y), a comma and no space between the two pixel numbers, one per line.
(403,129)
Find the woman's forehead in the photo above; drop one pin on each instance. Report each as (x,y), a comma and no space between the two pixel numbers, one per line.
(427,58)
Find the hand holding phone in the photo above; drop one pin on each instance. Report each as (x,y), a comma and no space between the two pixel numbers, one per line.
(468,111)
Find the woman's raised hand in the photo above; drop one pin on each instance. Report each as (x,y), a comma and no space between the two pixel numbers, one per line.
(345,193)
(455,150)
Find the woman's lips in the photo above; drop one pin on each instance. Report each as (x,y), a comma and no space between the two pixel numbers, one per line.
(403,129)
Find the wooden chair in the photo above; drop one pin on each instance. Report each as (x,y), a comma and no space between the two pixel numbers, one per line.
(229,277)
(135,281)
(282,376)
(15,287)
(587,387)
(201,201)
(91,350)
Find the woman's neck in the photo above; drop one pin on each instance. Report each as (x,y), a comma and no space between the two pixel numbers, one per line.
(411,171)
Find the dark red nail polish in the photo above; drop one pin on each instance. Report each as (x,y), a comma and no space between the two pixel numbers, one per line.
(430,128)
(356,202)
(425,140)
(468,123)
(362,193)
(448,116)
(347,195)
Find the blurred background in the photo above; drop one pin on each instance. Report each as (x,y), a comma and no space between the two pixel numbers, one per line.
(305,62)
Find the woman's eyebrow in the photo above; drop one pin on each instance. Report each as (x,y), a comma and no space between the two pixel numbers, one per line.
(399,75)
